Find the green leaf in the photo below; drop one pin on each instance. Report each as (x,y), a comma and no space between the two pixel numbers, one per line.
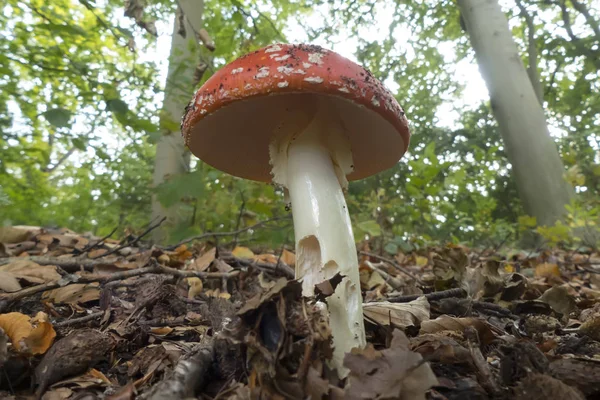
(58,117)
(117,106)
(63,29)
(371,227)
(79,143)
(391,248)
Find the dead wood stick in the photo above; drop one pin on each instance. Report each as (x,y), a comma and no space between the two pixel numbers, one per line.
(98,242)
(188,377)
(134,241)
(444,294)
(79,320)
(68,264)
(394,264)
(156,269)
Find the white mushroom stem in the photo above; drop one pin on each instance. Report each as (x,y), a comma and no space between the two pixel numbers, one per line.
(324,239)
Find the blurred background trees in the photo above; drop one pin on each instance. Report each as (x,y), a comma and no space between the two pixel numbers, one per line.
(87,92)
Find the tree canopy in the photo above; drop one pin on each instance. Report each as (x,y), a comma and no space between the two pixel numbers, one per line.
(81,85)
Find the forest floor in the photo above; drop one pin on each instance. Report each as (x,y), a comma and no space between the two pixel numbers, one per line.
(95,318)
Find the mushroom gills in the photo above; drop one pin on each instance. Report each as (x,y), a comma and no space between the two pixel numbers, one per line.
(312,164)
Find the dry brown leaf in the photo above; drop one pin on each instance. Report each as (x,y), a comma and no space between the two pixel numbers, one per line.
(559,300)
(163,331)
(446,323)
(14,234)
(28,335)
(267,257)
(73,293)
(31,272)
(547,270)
(203,262)
(440,348)
(242,252)
(222,266)
(8,283)
(392,373)
(375,280)
(288,257)
(182,253)
(61,393)
(401,315)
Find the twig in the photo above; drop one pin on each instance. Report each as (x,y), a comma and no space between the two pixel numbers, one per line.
(239,219)
(394,264)
(280,267)
(92,246)
(233,233)
(155,269)
(483,306)
(444,294)
(134,241)
(80,320)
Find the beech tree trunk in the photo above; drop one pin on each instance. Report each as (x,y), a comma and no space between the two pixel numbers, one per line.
(537,167)
(172,157)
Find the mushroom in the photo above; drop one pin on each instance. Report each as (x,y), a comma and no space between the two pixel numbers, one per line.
(309,120)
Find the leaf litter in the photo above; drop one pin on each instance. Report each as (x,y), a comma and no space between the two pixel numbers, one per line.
(89,317)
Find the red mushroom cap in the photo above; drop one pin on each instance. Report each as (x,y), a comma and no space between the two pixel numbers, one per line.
(231,119)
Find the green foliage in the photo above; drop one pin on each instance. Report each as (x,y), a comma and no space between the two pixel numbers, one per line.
(79,113)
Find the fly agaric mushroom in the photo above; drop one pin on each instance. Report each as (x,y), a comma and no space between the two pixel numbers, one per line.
(309,120)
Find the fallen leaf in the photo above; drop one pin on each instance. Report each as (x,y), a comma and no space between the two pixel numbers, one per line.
(288,257)
(487,333)
(163,331)
(242,252)
(8,283)
(421,261)
(375,280)
(32,272)
(182,253)
(61,393)
(203,262)
(73,293)
(268,258)
(28,335)
(13,234)
(401,315)
(559,300)
(71,356)
(441,348)
(394,373)
(547,270)
(222,266)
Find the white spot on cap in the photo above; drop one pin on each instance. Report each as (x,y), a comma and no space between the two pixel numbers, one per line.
(203,111)
(236,71)
(306,65)
(248,86)
(285,70)
(263,72)
(344,89)
(283,84)
(375,101)
(299,71)
(274,55)
(282,58)
(273,48)
(336,83)
(200,99)
(315,58)
(314,79)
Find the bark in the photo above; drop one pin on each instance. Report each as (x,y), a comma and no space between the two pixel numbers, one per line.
(537,167)
(172,157)
(532,54)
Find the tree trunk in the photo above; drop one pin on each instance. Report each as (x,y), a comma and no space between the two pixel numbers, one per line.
(172,157)
(537,167)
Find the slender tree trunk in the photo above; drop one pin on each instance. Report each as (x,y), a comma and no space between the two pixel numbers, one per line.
(172,158)
(537,167)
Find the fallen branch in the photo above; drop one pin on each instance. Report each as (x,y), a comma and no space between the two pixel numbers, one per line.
(280,267)
(80,320)
(188,377)
(444,294)
(394,264)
